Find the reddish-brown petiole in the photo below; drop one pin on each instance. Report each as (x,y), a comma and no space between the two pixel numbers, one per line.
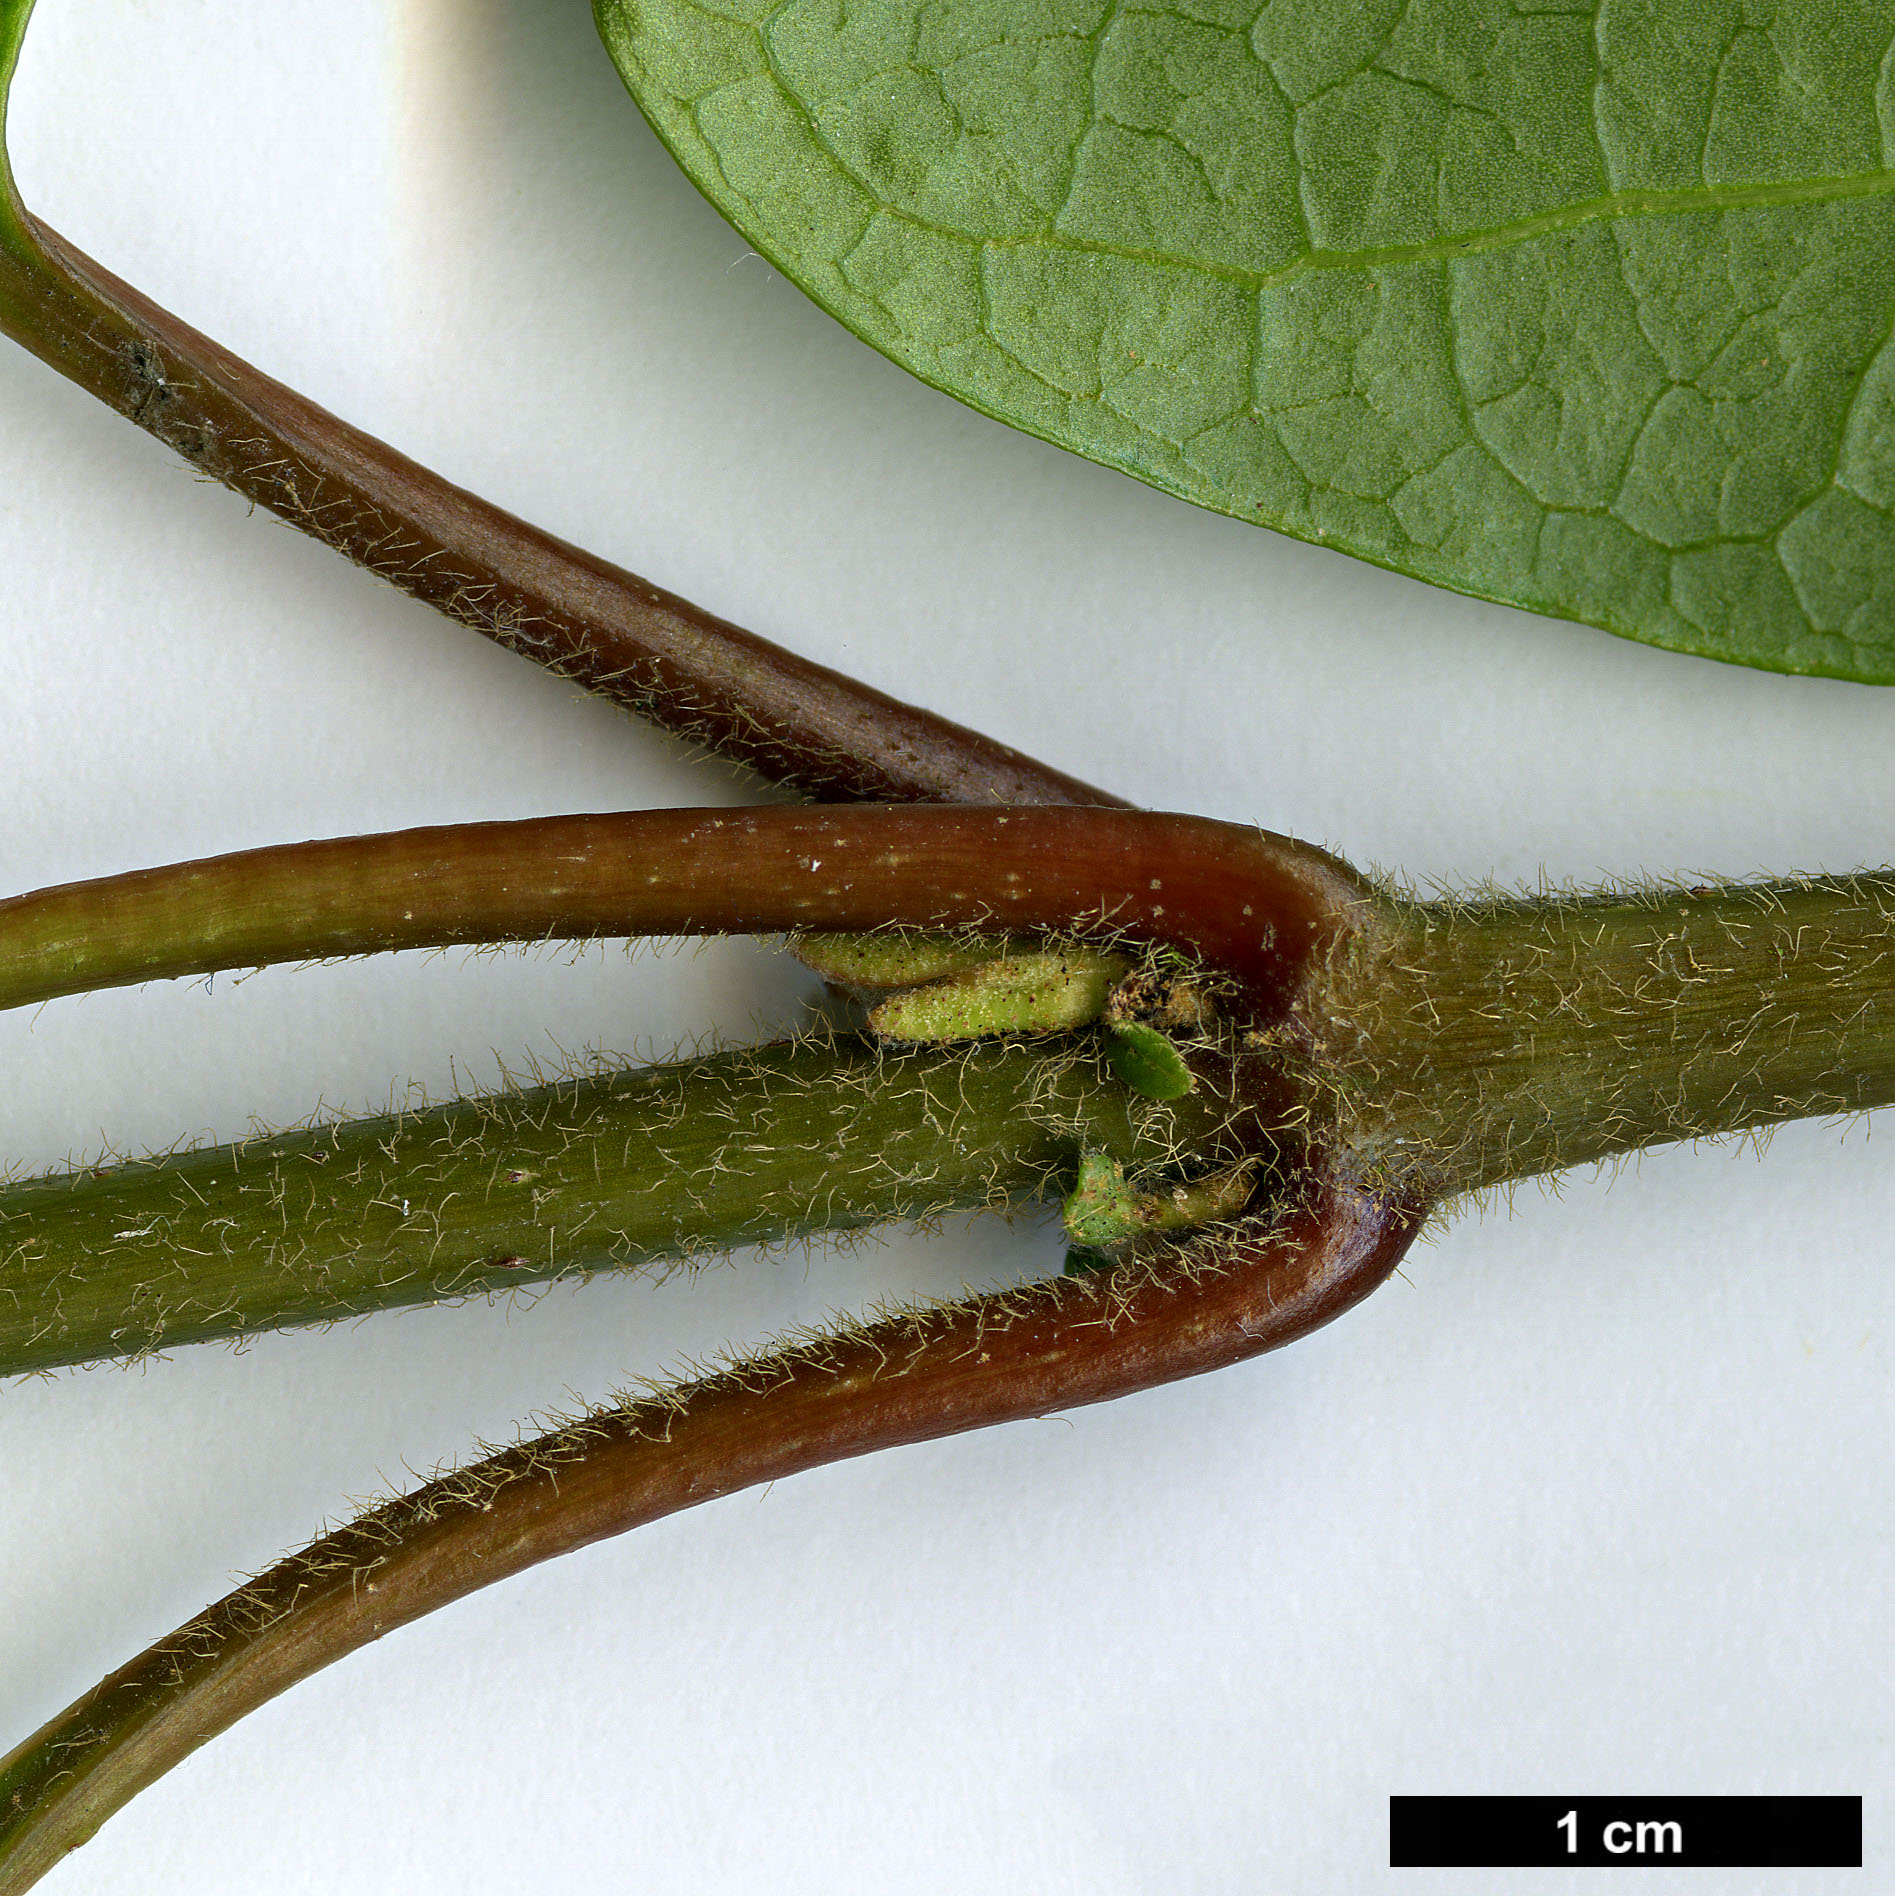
(910,1378)
(793,721)
(1262,908)
(1265,911)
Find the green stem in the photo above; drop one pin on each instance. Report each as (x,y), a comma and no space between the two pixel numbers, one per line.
(909,1377)
(601,1173)
(658,655)
(343,1221)
(1464,1044)
(1435,1049)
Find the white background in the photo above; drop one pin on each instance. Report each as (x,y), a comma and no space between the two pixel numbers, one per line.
(1594,1498)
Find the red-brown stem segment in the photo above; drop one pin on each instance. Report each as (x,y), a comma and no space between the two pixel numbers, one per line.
(794,722)
(1260,907)
(911,1378)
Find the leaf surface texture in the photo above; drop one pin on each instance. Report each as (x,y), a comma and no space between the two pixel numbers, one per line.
(1586,308)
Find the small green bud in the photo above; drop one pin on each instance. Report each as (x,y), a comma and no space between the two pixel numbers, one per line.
(1103,1210)
(892,958)
(1147,1061)
(1049,992)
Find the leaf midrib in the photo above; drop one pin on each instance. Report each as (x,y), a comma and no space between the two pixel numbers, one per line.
(1615,205)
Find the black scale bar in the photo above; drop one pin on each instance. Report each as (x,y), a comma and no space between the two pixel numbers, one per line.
(1492,1833)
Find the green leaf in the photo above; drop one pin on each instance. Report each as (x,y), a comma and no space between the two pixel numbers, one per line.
(1147,1061)
(1586,308)
(14,15)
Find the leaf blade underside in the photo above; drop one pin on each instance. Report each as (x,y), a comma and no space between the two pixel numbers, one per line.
(1585,308)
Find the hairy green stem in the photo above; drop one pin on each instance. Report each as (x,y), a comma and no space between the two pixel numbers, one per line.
(347,1219)
(598,1173)
(1462,1044)
(1428,1048)
(684,668)
(908,1377)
